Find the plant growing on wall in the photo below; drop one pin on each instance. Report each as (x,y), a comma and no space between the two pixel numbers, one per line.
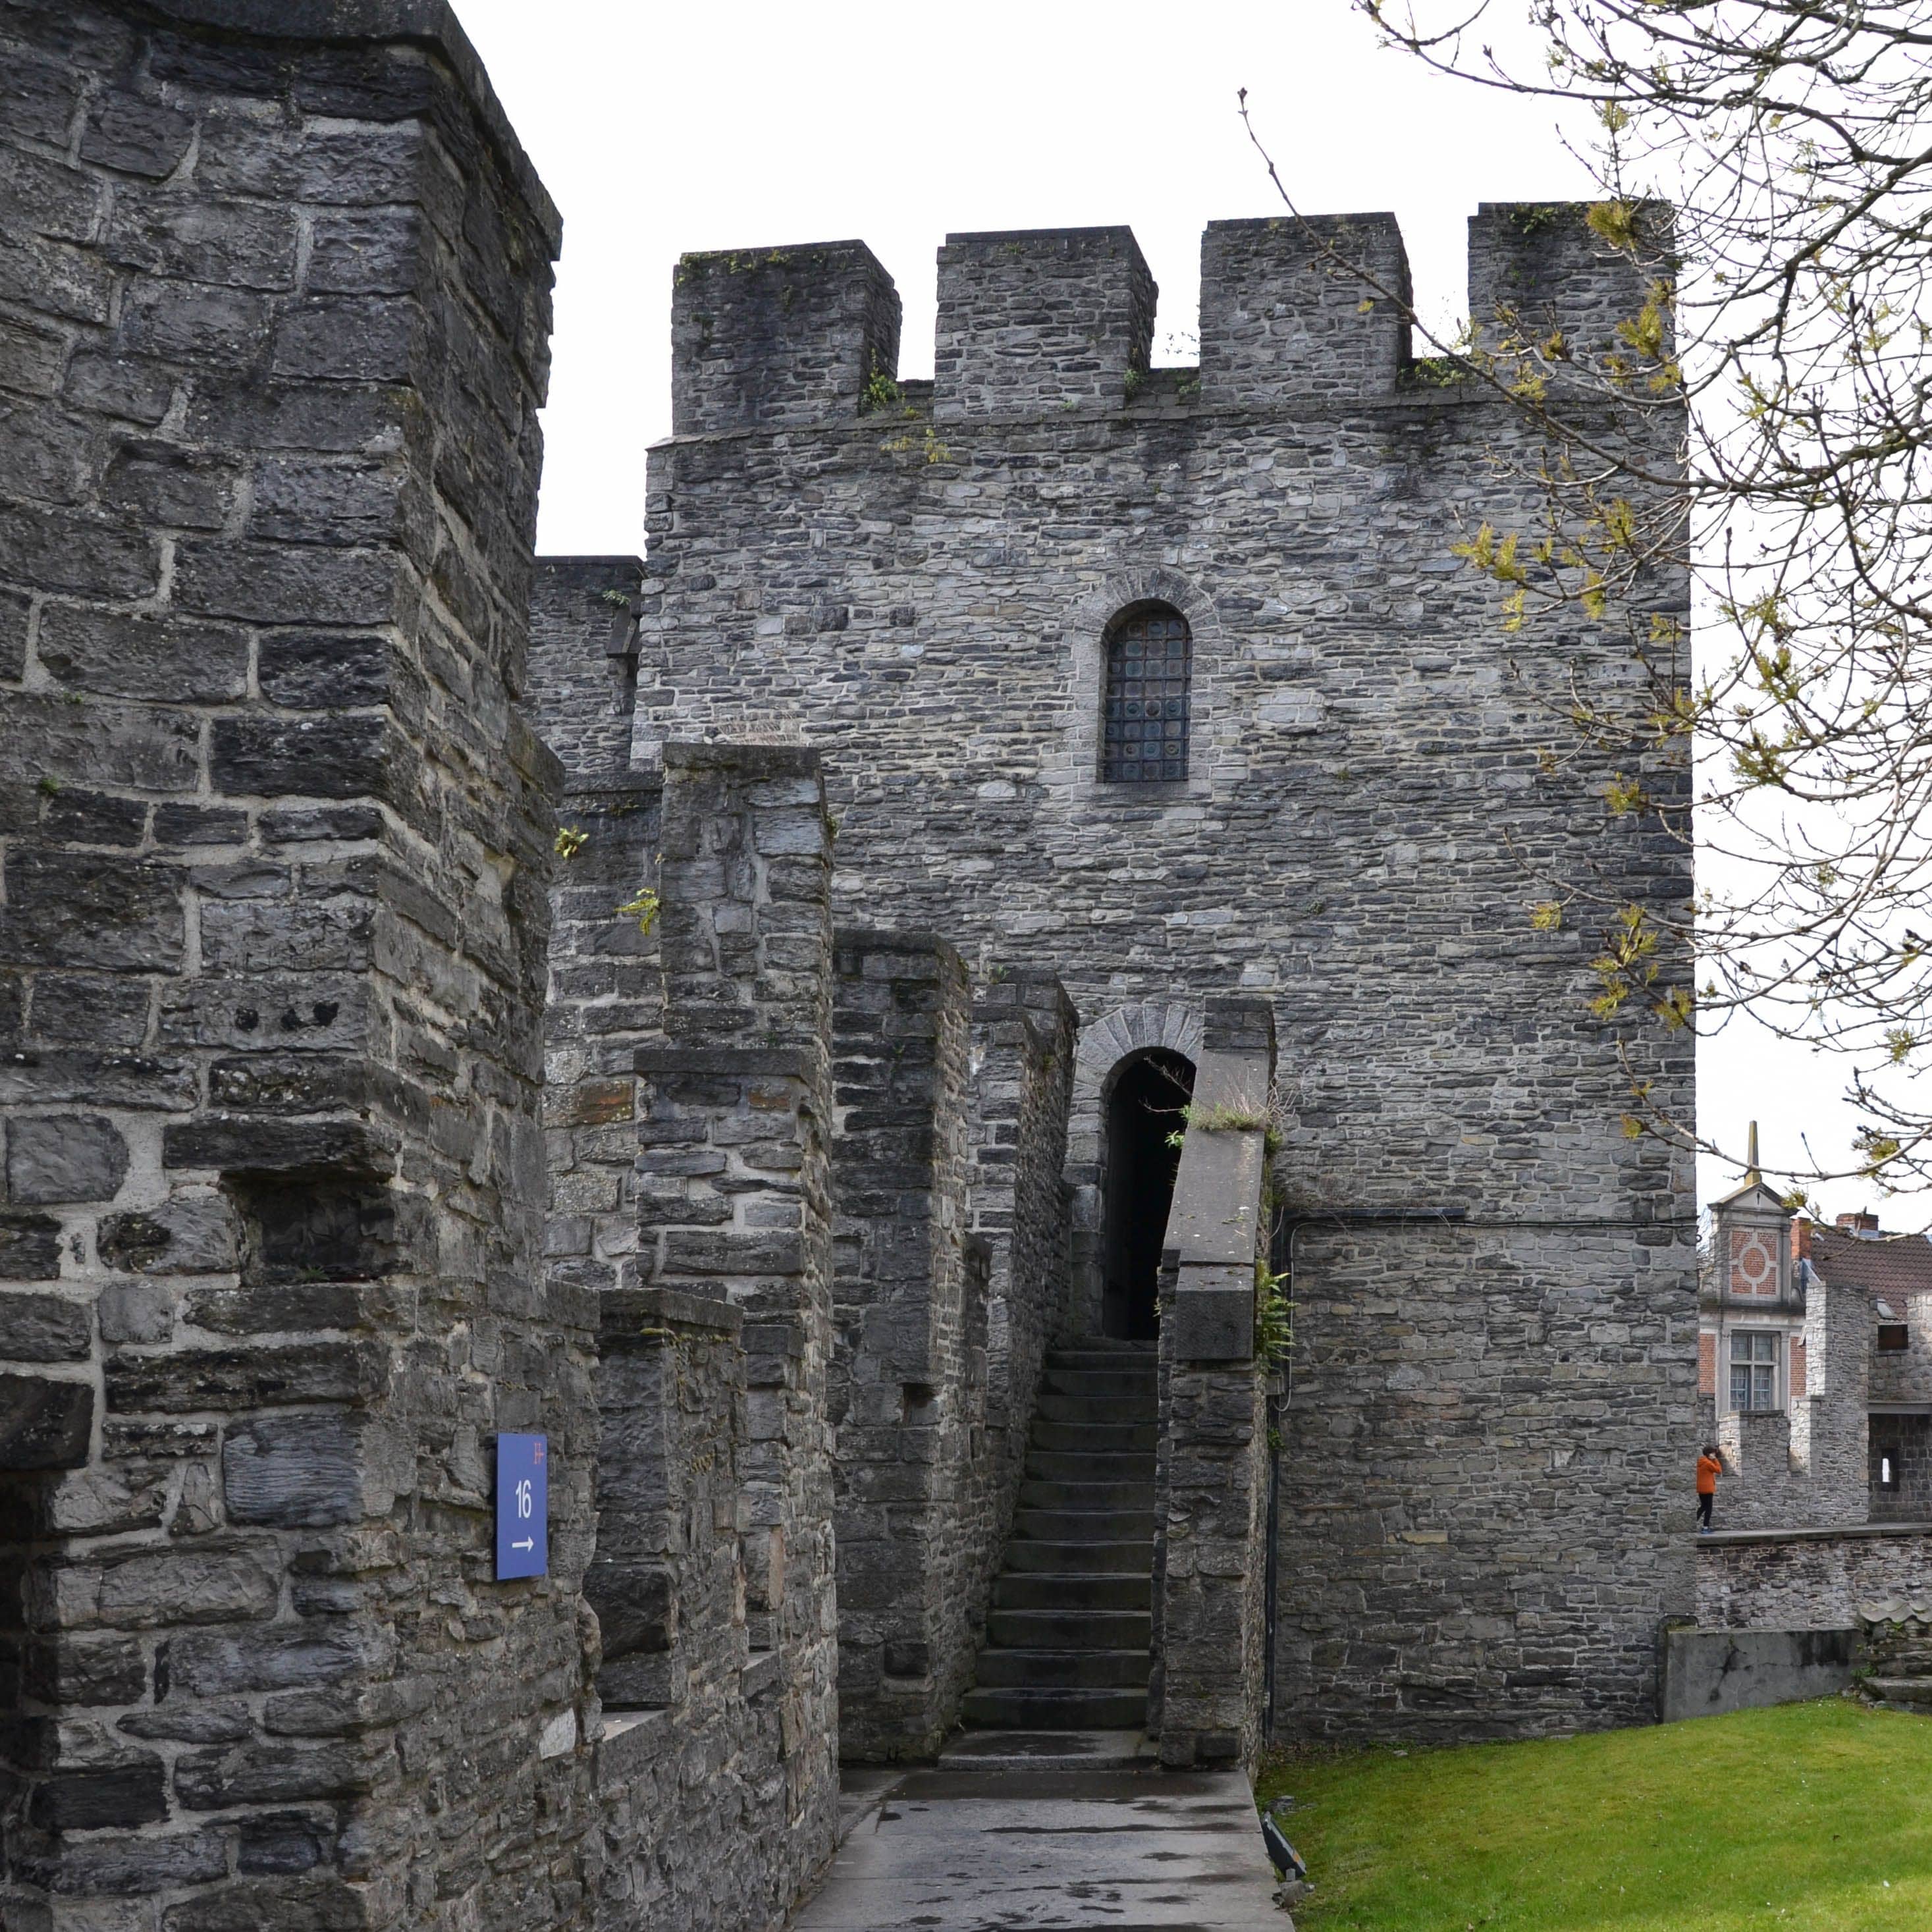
(1274,1315)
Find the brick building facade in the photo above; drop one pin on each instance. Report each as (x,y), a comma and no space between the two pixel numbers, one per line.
(1815,1365)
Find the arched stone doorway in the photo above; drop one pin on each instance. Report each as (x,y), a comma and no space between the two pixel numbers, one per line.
(1108,1043)
(1145,1101)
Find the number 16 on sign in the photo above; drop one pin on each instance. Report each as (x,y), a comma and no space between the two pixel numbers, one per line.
(523,1507)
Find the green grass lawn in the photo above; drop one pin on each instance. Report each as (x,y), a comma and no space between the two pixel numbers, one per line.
(1816,1816)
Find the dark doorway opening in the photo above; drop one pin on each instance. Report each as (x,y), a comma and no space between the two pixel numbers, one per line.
(1143,1114)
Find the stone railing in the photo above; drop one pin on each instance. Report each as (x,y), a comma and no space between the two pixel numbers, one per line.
(1210,1496)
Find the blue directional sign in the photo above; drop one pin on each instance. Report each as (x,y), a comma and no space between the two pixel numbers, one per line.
(522,1506)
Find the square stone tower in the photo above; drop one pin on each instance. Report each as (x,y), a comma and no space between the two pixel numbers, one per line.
(1168,681)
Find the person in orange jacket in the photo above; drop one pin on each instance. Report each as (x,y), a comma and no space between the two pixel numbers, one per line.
(1710,1467)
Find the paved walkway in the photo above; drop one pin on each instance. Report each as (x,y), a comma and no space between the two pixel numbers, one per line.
(1010,1834)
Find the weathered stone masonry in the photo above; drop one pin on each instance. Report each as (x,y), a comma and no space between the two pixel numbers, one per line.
(909,1392)
(714,1576)
(277,884)
(1489,1411)
(275,303)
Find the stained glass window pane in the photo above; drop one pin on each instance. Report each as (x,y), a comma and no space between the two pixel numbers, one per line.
(1145,720)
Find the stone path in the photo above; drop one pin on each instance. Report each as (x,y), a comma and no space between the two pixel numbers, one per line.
(1011,1833)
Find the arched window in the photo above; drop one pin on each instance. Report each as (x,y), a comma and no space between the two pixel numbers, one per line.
(1150,662)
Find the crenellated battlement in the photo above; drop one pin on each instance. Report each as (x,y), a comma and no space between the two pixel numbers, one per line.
(1294,312)
(1038,320)
(1537,268)
(1283,316)
(770,338)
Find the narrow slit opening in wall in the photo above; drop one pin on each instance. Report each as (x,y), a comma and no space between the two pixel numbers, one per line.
(1145,1118)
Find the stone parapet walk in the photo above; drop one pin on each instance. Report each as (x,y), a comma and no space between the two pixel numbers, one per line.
(1064,1830)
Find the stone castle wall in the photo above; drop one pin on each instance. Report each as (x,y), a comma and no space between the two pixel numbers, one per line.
(714,1575)
(920,584)
(1808,1580)
(276,849)
(584,660)
(1023,1032)
(279,865)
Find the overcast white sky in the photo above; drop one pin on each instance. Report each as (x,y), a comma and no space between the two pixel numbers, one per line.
(659,129)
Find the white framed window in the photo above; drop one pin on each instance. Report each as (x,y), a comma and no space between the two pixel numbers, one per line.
(1756,1355)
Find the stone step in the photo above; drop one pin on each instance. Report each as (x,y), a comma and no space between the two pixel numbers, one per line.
(1015,1590)
(1090,1437)
(1899,1690)
(1039,1495)
(1128,1385)
(1089,1751)
(1053,1526)
(1112,1410)
(1056,1628)
(1063,1669)
(1107,1465)
(1057,1710)
(1103,1348)
(1081,1559)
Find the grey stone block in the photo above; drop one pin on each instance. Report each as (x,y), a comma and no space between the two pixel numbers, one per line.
(232,1144)
(120,915)
(134,1866)
(135,136)
(43,1328)
(144,657)
(242,1378)
(295,1471)
(90,1009)
(44,1424)
(271,1657)
(72,1670)
(305,671)
(1214,1324)
(158,1588)
(191,1234)
(29,1247)
(131,1793)
(138,1312)
(325,757)
(63,1157)
(194,322)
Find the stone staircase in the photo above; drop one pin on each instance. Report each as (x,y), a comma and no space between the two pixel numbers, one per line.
(1068,1635)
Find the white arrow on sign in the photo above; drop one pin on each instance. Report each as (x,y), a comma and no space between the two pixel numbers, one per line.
(528,1543)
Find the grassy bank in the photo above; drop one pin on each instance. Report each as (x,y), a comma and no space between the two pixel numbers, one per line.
(1816,1817)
